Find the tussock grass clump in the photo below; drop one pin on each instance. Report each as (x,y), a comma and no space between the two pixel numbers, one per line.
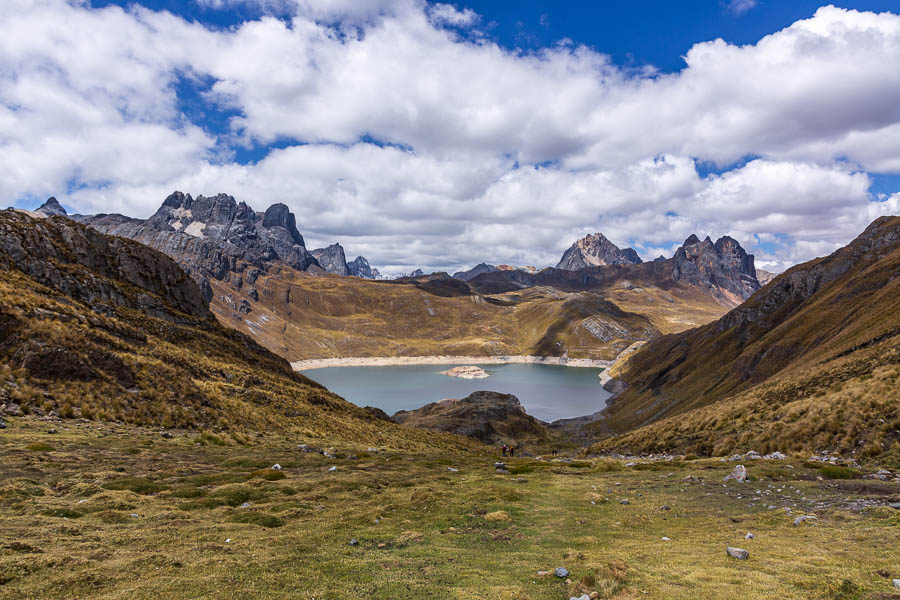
(63,513)
(268,474)
(40,447)
(255,518)
(838,472)
(138,485)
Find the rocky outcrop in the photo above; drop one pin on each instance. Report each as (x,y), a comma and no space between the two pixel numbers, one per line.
(596,251)
(214,237)
(332,259)
(475,271)
(360,267)
(764,277)
(724,269)
(97,269)
(490,417)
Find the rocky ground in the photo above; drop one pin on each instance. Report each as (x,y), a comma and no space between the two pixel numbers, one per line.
(91,510)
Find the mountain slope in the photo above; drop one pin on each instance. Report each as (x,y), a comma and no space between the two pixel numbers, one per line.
(812,329)
(105,328)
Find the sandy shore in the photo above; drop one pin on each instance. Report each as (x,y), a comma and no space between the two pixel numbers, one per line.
(387,361)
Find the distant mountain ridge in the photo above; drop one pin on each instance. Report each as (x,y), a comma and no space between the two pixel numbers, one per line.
(217,237)
(721,269)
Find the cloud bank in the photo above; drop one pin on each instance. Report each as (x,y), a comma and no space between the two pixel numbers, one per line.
(400,130)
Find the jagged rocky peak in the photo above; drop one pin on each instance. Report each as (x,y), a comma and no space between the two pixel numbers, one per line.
(279,215)
(595,250)
(360,267)
(51,207)
(332,259)
(475,271)
(723,268)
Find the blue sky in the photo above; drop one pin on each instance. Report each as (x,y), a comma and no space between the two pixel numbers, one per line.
(441,135)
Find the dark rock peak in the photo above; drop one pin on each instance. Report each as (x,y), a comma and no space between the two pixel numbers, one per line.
(279,215)
(332,259)
(417,273)
(360,267)
(723,268)
(659,258)
(595,250)
(52,207)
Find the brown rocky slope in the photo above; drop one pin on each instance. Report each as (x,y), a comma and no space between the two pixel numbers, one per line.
(812,334)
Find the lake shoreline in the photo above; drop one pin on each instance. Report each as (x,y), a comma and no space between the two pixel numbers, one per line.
(395,361)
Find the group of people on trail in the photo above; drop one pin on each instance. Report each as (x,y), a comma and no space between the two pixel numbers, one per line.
(508,450)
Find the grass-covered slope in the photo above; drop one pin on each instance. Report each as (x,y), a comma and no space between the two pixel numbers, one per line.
(811,360)
(105,328)
(301,316)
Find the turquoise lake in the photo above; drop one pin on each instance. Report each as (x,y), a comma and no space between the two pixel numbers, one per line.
(548,392)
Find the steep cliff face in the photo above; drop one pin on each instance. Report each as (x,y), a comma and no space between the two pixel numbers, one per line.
(332,259)
(723,268)
(215,237)
(595,250)
(826,308)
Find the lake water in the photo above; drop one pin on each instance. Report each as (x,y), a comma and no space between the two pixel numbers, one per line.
(548,392)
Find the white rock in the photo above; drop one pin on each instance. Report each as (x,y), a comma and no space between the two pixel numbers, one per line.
(800,519)
(749,536)
(276,467)
(228,541)
(738,553)
(739,474)
(896,583)
(666,539)
(452,470)
(332,469)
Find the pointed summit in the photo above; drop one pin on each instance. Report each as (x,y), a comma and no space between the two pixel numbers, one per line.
(692,239)
(52,208)
(595,250)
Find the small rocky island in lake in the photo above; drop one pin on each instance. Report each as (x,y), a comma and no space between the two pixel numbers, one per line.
(468,372)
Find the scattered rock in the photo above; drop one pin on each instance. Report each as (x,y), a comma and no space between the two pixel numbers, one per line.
(228,540)
(800,519)
(624,501)
(738,553)
(581,597)
(896,583)
(166,435)
(332,469)
(382,545)
(665,507)
(895,505)
(666,539)
(2,423)
(354,542)
(561,572)
(752,455)
(276,467)
(452,470)
(739,474)
(775,456)
(749,536)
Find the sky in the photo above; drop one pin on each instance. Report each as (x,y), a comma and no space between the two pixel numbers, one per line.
(440,135)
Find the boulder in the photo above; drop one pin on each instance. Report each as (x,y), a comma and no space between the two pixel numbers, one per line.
(738,553)
(739,474)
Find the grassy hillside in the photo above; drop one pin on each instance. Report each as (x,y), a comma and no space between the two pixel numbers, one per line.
(823,337)
(80,338)
(110,512)
(301,316)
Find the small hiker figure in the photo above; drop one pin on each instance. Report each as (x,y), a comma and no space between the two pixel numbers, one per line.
(512,450)
(504,448)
